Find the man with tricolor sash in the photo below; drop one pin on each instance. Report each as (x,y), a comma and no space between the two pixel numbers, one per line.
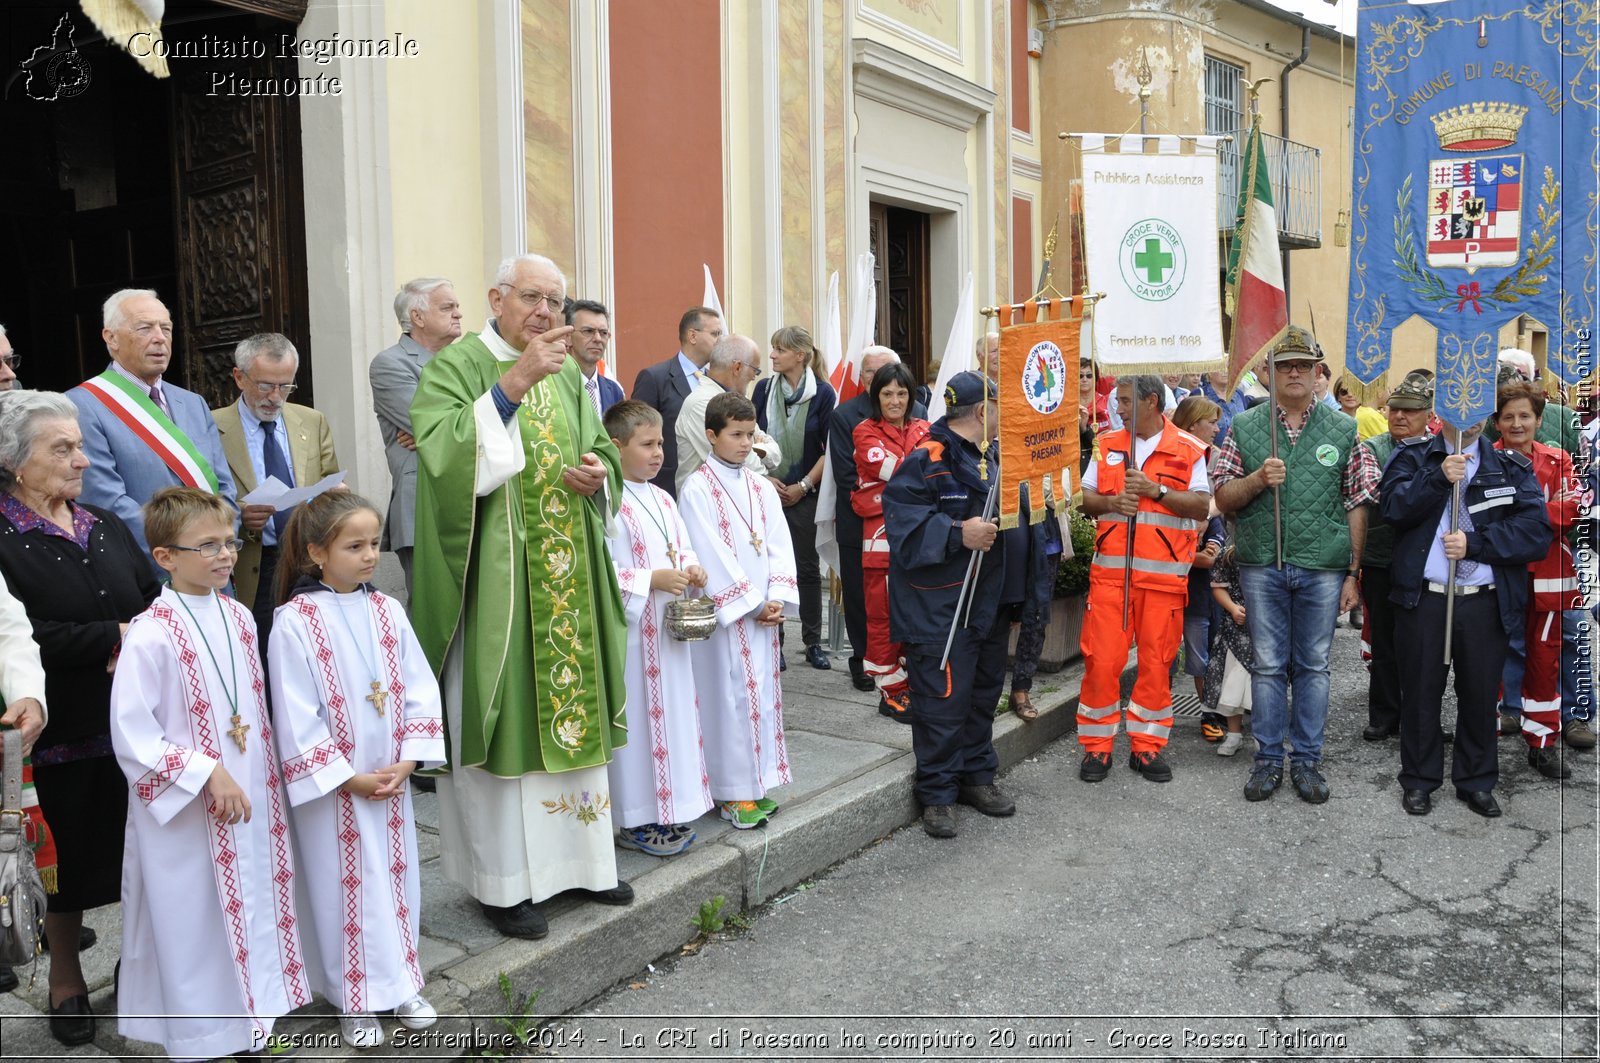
(143,433)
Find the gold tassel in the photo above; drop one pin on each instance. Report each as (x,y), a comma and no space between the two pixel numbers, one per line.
(48,878)
(121,21)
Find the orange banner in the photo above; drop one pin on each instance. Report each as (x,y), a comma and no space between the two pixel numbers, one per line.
(1038,406)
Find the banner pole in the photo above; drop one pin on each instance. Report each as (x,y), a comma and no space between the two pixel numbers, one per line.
(1450,576)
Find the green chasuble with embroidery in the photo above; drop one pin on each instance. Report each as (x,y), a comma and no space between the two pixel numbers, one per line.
(522,573)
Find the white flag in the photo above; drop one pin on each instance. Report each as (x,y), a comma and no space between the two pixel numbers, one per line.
(845,377)
(958,351)
(709,299)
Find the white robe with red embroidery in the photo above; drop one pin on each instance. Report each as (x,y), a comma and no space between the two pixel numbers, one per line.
(211,950)
(660,775)
(358,856)
(736,670)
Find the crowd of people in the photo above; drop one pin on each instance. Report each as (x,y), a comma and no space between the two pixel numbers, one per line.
(226,719)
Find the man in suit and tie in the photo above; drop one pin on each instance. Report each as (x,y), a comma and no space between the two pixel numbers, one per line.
(142,433)
(430,320)
(666,384)
(591,335)
(264,434)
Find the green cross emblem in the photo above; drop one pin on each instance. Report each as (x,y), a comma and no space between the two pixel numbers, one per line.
(1153,260)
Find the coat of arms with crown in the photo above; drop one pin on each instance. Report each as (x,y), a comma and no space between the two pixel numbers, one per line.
(1475,197)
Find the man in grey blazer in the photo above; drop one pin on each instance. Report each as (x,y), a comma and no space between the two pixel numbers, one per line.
(666,384)
(430,320)
(177,443)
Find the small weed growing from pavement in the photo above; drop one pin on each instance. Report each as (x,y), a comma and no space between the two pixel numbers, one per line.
(710,920)
(517,1020)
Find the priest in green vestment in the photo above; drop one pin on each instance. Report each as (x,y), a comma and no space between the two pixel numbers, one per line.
(517,606)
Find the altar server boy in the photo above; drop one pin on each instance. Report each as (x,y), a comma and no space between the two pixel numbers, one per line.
(736,525)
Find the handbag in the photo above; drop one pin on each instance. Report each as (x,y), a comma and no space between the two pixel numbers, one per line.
(22,896)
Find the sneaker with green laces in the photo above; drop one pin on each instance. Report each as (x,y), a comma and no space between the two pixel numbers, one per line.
(744,815)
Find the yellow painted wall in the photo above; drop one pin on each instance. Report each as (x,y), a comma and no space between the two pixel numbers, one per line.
(435,173)
(1319,105)
(913,27)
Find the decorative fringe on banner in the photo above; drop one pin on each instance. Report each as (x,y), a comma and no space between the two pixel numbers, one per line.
(122,20)
(1038,406)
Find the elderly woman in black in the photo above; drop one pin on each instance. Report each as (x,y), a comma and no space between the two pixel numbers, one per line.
(81,576)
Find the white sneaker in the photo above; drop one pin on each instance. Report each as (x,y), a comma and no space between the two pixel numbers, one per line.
(1230,744)
(361,1031)
(416,1014)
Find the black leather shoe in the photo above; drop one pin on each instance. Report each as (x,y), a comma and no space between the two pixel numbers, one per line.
(1152,766)
(858,676)
(521,920)
(1373,732)
(1480,801)
(987,799)
(8,980)
(1416,802)
(72,1021)
(817,658)
(1548,762)
(939,821)
(621,893)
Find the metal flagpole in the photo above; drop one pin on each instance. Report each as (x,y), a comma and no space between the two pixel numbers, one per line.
(1277,490)
(970,583)
(1144,76)
(1450,568)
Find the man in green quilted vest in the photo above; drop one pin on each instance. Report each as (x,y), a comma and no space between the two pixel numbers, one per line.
(1325,481)
(1409,406)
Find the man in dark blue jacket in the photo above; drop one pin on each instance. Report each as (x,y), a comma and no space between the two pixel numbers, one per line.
(933,516)
(1503,528)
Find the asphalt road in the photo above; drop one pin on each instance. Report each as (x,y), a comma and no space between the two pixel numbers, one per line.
(1135,920)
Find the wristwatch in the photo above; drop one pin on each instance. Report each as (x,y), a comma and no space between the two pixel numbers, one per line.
(1161,492)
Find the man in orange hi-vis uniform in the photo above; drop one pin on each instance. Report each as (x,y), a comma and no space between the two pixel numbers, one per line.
(1165,491)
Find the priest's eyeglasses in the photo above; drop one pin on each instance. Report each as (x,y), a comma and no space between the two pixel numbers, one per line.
(532,296)
(11,360)
(233,546)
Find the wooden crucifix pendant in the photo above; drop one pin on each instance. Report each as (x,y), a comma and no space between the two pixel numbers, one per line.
(378,696)
(672,555)
(755,540)
(238,731)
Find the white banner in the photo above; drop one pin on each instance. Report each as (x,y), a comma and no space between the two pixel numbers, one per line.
(1150,235)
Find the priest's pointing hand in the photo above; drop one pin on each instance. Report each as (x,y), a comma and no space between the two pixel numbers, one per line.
(586,478)
(542,357)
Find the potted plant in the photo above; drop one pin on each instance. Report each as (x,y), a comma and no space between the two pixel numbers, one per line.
(1063,637)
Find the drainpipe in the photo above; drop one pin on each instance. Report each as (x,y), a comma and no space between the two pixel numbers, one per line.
(1283,131)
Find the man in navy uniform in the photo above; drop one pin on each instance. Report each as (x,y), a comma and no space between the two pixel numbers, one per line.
(933,516)
(1502,529)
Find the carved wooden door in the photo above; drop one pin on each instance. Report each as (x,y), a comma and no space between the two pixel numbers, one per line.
(240,225)
(898,239)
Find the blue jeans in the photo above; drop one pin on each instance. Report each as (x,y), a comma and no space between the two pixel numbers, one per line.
(1291,614)
(1577,670)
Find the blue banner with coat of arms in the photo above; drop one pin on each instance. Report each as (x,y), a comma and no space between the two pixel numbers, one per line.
(1477,153)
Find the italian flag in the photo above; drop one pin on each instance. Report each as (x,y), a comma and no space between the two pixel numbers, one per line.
(1256,301)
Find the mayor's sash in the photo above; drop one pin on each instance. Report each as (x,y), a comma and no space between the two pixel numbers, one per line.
(141,416)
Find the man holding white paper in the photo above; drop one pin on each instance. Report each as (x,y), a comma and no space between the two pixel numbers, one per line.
(265,435)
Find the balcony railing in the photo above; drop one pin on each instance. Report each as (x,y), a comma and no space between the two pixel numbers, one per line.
(1295,170)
